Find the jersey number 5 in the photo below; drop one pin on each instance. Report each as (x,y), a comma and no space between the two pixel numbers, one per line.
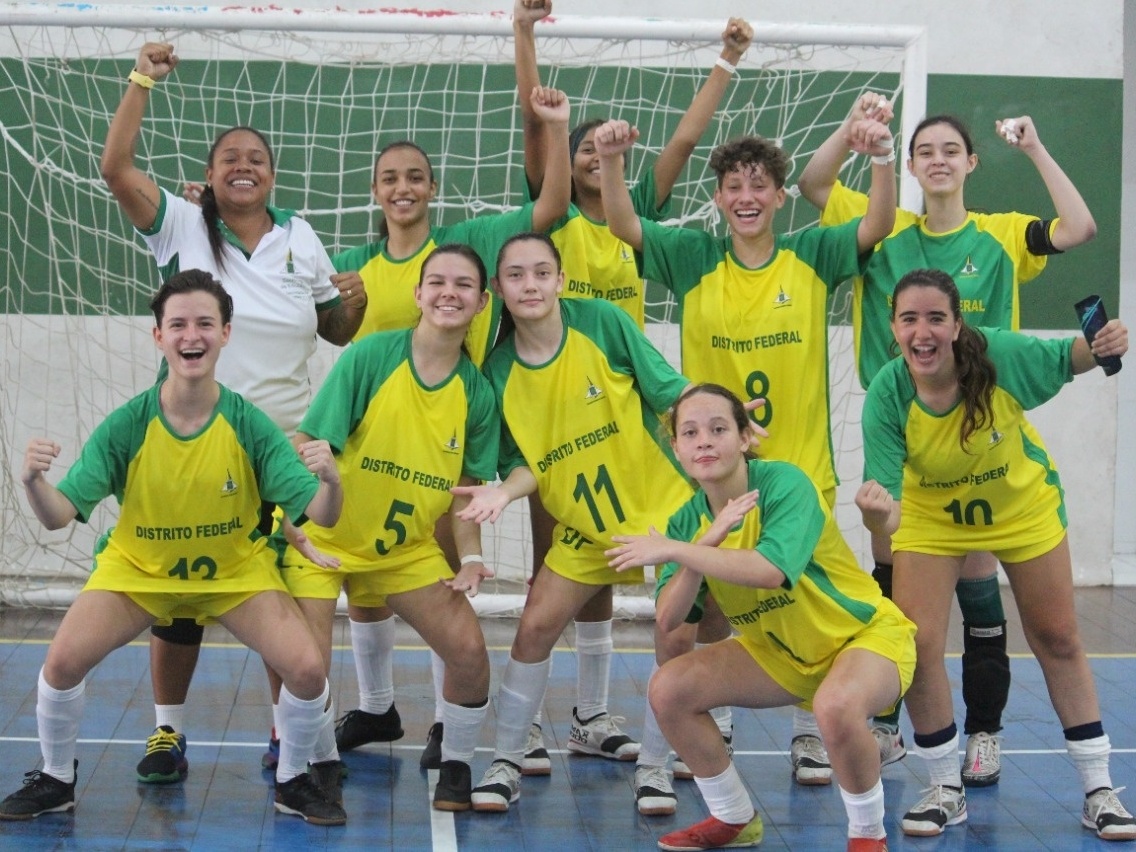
(393,524)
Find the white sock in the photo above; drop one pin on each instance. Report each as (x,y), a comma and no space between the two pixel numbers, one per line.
(462,726)
(654,748)
(170,714)
(724,718)
(538,716)
(593,667)
(521,690)
(325,748)
(804,723)
(865,812)
(372,644)
(438,674)
(276,726)
(58,712)
(943,762)
(726,796)
(1091,759)
(300,722)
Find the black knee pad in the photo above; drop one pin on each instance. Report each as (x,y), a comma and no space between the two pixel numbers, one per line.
(183,631)
(985,683)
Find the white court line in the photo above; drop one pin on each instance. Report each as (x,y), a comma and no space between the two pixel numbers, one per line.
(489,750)
(443,834)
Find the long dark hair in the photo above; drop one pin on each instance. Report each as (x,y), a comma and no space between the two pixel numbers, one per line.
(977,375)
(507,324)
(737,409)
(384,228)
(209,201)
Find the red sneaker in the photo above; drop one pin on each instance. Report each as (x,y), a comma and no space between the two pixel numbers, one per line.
(868,844)
(712,833)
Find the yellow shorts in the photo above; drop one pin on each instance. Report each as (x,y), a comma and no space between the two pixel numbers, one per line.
(890,634)
(204,608)
(577,558)
(404,570)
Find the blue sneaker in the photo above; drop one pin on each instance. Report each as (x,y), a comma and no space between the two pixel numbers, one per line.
(271,757)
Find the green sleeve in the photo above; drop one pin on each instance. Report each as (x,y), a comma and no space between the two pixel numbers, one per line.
(832,252)
(354,259)
(884,425)
(677,258)
(643,198)
(105,458)
(483,426)
(628,350)
(486,234)
(683,526)
(791,517)
(1031,369)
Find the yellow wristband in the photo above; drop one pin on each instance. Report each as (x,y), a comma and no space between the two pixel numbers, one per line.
(141,79)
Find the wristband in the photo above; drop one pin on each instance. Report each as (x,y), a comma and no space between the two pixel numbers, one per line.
(885,159)
(725,65)
(141,79)
(473,557)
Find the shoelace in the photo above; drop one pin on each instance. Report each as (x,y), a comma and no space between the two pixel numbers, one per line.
(1108,801)
(161,741)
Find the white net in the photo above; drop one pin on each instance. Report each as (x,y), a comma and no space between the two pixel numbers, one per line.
(76,279)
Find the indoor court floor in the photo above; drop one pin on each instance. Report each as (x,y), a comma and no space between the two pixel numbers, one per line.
(587,803)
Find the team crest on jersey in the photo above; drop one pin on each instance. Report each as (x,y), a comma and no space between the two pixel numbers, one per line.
(968,268)
(452,445)
(782,299)
(230,486)
(624,254)
(995,437)
(593,393)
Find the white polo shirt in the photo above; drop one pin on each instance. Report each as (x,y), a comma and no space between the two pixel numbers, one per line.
(276,292)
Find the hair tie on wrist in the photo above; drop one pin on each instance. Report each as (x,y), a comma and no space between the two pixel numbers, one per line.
(143,80)
(725,65)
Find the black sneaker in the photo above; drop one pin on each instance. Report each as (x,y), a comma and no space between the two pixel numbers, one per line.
(41,794)
(302,797)
(358,727)
(432,754)
(454,786)
(165,761)
(328,775)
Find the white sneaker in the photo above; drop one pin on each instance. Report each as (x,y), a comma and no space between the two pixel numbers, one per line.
(601,736)
(682,771)
(983,764)
(810,761)
(499,787)
(940,807)
(892,749)
(654,795)
(1104,814)
(536,761)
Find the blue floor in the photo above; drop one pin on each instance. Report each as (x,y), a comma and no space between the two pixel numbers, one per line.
(587,803)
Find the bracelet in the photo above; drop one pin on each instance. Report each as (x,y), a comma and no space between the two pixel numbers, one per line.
(141,79)
(725,65)
(473,557)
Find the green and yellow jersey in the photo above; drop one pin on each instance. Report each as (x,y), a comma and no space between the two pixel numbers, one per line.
(987,256)
(190,503)
(1002,491)
(596,263)
(390,283)
(587,423)
(761,332)
(400,446)
(797,629)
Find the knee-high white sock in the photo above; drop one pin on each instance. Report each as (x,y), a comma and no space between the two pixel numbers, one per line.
(726,796)
(58,712)
(462,726)
(372,644)
(325,748)
(865,812)
(593,667)
(438,674)
(538,716)
(172,715)
(521,690)
(654,748)
(804,723)
(1091,759)
(300,722)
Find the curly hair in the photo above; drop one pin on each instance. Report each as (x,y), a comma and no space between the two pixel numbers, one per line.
(749,152)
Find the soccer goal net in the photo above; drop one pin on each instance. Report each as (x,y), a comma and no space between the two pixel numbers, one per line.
(329,89)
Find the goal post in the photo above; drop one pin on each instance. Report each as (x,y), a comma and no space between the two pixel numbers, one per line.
(329,88)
